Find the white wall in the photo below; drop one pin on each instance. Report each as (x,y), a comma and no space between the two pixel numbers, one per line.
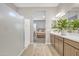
(11,32)
(27,32)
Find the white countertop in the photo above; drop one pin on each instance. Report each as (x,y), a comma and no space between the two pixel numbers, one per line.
(71,36)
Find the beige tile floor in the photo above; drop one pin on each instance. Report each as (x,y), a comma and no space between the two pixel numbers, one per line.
(38,49)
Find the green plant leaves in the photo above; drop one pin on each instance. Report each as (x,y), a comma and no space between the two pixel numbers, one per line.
(64,23)
(75,24)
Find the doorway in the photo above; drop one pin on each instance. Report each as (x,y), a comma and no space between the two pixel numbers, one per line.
(39,31)
(39,27)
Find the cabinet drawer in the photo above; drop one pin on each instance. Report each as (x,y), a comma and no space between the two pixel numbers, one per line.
(69,50)
(72,43)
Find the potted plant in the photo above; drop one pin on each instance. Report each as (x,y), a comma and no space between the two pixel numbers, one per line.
(61,25)
(64,24)
(74,24)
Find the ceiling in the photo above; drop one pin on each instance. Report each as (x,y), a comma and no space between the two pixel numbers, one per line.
(36,4)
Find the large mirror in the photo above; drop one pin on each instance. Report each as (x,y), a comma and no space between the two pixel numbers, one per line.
(73,13)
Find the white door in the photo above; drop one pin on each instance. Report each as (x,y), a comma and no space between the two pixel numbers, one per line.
(27,32)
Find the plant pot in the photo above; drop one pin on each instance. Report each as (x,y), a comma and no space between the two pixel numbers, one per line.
(62,32)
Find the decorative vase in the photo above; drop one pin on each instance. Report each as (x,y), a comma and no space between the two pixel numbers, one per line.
(62,32)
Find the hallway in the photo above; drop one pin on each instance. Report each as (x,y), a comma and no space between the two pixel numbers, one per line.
(39,50)
(28,29)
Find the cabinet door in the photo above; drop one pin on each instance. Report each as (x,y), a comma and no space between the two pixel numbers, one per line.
(77,52)
(69,50)
(61,47)
(51,38)
(56,43)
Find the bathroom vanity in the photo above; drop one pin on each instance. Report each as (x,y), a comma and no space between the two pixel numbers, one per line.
(65,45)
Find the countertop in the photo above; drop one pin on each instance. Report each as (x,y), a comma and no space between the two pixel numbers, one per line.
(71,36)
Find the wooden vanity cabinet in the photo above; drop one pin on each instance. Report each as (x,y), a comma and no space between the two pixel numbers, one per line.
(64,46)
(77,52)
(52,40)
(61,46)
(71,48)
(57,43)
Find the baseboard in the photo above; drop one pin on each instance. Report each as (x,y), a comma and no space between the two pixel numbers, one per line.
(23,50)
